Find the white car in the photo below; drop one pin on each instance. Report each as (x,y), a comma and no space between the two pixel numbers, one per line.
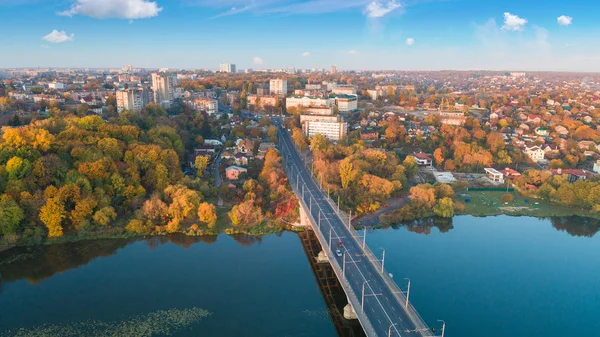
(338,253)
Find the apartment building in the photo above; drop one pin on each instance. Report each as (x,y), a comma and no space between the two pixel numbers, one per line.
(163,88)
(278,87)
(132,99)
(332,127)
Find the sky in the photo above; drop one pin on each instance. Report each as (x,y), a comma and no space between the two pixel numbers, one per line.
(529,35)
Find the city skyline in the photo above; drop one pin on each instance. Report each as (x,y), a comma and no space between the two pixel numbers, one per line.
(314,34)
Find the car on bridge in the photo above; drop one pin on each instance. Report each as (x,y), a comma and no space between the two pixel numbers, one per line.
(338,253)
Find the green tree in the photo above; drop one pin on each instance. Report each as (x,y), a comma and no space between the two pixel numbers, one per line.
(444,208)
(11,215)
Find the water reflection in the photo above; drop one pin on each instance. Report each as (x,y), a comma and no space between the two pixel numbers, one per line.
(35,264)
(574,225)
(424,226)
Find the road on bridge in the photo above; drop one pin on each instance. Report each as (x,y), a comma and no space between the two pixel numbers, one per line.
(383,306)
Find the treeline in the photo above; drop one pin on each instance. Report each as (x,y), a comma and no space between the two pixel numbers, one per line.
(363,178)
(425,201)
(582,194)
(266,198)
(85,175)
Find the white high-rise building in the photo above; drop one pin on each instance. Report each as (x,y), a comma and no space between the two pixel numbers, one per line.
(132,99)
(162,85)
(278,87)
(332,127)
(227,68)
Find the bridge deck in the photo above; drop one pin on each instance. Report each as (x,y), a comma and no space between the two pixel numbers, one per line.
(380,305)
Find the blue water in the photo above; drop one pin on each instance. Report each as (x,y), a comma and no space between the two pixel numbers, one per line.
(262,289)
(499,276)
(493,277)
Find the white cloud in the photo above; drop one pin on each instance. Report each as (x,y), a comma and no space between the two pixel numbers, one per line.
(119,9)
(305,54)
(564,20)
(513,22)
(410,41)
(352,52)
(58,37)
(257,60)
(376,9)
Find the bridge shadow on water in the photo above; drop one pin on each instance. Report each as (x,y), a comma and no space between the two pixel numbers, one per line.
(331,289)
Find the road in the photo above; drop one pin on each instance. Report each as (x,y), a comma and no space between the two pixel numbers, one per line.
(382,304)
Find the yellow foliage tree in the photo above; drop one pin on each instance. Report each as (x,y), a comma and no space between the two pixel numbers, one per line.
(52,215)
(207,213)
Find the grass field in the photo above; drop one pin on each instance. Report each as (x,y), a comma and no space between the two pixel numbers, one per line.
(484,203)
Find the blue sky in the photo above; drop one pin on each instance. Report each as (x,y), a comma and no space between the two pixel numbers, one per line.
(352,34)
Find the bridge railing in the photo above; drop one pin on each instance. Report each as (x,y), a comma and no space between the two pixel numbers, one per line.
(418,321)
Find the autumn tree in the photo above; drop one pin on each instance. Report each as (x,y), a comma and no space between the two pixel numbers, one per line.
(201,163)
(207,213)
(347,173)
(52,215)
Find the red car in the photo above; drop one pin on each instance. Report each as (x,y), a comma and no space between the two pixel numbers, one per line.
(340,245)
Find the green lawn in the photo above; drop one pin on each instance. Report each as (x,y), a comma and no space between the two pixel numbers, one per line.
(483,203)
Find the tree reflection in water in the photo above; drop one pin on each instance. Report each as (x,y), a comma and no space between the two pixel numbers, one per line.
(574,225)
(35,264)
(424,226)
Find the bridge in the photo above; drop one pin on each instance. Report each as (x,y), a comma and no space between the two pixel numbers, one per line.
(373,297)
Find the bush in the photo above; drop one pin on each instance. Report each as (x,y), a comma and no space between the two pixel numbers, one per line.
(508,198)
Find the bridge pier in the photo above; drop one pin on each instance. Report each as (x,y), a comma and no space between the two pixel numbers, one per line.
(304,220)
(349,312)
(322,257)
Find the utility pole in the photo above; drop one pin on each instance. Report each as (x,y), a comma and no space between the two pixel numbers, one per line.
(319,220)
(443,326)
(362,302)
(364,237)
(350,220)
(407,293)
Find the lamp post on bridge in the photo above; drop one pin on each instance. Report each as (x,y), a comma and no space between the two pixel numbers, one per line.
(382,260)
(443,326)
(344,265)
(319,220)
(362,302)
(390,329)
(407,292)
(330,232)
(350,220)
(364,237)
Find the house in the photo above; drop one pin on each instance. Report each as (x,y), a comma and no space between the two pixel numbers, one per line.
(510,173)
(369,136)
(536,119)
(561,130)
(204,150)
(494,175)
(586,144)
(264,147)
(423,159)
(535,153)
(597,166)
(241,159)
(572,174)
(234,172)
(245,145)
(541,131)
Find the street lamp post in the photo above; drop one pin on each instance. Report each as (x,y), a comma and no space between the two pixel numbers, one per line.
(364,237)
(344,265)
(382,260)
(407,292)
(350,219)
(319,220)
(303,191)
(443,326)
(362,302)
(330,229)
(390,329)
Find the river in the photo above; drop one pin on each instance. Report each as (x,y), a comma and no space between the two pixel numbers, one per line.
(494,277)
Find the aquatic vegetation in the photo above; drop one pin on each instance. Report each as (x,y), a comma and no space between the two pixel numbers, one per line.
(161,322)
